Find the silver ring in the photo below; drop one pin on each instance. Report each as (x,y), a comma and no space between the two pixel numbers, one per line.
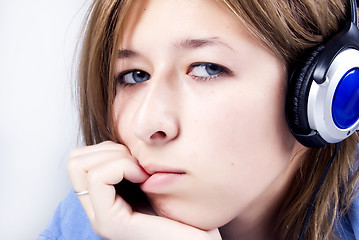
(85,192)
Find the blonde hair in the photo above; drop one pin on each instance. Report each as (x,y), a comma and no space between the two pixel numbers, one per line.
(96,88)
(288,28)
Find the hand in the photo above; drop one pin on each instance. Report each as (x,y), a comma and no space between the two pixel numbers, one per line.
(97,169)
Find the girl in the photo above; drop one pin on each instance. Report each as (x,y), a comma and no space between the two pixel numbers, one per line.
(182,111)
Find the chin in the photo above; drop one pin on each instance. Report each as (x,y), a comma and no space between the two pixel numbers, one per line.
(190,215)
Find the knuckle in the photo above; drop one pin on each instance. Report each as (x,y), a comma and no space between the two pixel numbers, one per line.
(75,152)
(106,143)
(74,165)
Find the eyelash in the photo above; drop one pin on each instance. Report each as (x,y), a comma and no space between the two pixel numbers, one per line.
(223,71)
(120,76)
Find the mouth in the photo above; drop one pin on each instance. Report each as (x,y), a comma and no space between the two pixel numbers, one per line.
(161,179)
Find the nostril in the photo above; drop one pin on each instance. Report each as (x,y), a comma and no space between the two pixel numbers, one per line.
(158,135)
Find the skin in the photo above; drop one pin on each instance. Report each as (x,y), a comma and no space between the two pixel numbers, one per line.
(218,136)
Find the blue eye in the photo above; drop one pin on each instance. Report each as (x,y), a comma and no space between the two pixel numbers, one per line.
(206,71)
(133,77)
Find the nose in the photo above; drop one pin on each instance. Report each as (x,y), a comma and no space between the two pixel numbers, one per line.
(156,118)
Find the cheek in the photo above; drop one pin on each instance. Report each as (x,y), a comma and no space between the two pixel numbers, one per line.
(243,144)
(249,119)
(123,105)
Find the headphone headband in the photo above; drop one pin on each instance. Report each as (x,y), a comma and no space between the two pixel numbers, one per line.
(354,12)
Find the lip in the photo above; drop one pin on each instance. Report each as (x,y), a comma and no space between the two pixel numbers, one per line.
(152,168)
(161,178)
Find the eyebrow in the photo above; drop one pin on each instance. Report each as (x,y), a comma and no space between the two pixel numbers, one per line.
(200,42)
(184,44)
(125,53)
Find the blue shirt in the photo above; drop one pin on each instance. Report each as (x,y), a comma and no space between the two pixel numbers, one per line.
(70,222)
(348,227)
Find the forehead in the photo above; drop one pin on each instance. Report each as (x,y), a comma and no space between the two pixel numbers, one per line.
(147,18)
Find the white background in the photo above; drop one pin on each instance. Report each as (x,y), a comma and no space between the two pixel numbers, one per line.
(38,119)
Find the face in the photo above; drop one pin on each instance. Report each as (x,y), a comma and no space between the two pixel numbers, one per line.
(199,103)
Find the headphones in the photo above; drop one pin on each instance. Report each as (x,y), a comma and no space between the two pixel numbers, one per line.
(322,102)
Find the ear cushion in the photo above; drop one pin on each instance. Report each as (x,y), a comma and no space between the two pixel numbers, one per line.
(298,92)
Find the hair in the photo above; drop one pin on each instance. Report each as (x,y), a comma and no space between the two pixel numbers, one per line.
(289,28)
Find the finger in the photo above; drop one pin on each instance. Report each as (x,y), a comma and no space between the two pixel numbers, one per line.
(107,145)
(86,203)
(91,169)
(81,160)
(80,165)
(102,178)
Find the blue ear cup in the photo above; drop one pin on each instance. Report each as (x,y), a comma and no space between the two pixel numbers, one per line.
(322,104)
(345,107)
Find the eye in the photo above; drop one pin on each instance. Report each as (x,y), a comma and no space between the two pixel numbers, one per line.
(132,77)
(207,71)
